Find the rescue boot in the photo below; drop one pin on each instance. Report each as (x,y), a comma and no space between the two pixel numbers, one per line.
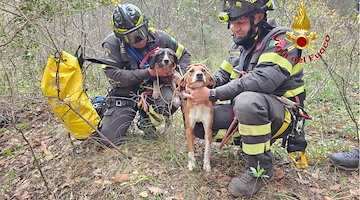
(346,160)
(247,184)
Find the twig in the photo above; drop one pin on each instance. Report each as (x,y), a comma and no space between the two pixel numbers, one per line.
(11,12)
(35,160)
(15,34)
(26,140)
(317,89)
(96,130)
(342,93)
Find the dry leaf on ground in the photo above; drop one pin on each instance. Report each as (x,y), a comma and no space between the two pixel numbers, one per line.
(121,178)
(302,181)
(279,173)
(144,194)
(317,190)
(156,191)
(224,180)
(334,187)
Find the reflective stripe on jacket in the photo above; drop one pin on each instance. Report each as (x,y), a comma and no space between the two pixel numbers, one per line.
(271,69)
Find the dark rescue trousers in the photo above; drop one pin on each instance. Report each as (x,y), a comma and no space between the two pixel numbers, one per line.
(118,117)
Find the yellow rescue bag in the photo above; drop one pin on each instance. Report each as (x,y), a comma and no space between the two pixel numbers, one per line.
(62,85)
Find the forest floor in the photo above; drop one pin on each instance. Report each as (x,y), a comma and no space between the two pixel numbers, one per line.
(157,169)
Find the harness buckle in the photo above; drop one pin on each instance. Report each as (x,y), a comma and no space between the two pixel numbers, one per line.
(120,103)
(240,73)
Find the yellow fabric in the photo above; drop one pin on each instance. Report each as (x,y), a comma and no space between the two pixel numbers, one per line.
(268,4)
(104,66)
(225,65)
(63,89)
(255,130)
(152,29)
(179,51)
(294,92)
(296,69)
(285,125)
(234,75)
(221,133)
(277,59)
(256,149)
(154,116)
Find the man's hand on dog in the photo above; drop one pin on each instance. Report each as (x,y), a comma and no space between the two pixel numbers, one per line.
(158,71)
(197,95)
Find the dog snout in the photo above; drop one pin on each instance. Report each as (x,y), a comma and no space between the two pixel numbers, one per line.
(199,76)
(166,61)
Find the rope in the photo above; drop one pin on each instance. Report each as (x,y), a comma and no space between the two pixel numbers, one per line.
(232,128)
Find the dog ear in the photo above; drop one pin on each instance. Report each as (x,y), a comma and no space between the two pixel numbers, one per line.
(212,81)
(152,61)
(182,83)
(175,59)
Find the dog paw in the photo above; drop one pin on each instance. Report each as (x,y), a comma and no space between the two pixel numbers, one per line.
(207,167)
(191,165)
(191,161)
(155,95)
(177,101)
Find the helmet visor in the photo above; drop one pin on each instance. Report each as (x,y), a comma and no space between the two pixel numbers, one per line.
(134,35)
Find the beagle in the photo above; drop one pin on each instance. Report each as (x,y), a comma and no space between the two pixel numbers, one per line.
(166,58)
(197,75)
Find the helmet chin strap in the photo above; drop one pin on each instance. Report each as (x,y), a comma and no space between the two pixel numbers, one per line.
(249,39)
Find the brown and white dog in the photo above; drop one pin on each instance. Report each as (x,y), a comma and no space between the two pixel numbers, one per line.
(166,58)
(197,75)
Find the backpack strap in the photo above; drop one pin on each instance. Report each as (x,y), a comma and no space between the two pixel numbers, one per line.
(81,58)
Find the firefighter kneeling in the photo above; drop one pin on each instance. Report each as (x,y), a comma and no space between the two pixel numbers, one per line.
(132,39)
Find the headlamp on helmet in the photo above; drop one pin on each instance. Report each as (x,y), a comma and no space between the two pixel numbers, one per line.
(223,17)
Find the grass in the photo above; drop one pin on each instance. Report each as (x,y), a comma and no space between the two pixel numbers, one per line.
(158,168)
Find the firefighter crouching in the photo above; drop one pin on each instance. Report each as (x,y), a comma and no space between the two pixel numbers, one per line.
(251,76)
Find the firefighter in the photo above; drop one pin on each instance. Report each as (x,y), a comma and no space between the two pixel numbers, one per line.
(131,41)
(251,74)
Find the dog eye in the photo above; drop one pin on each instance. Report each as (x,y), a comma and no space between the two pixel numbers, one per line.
(192,71)
(203,70)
